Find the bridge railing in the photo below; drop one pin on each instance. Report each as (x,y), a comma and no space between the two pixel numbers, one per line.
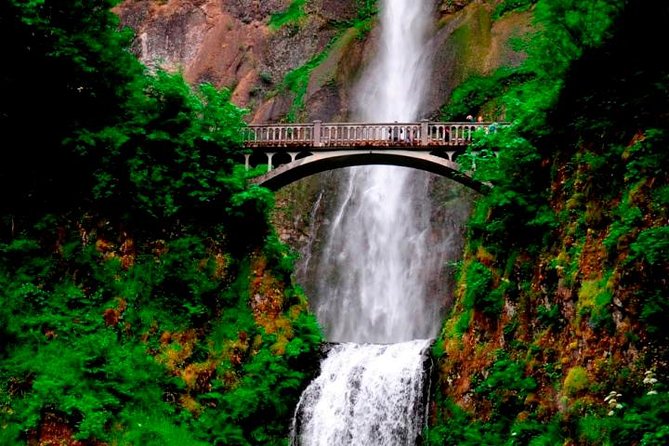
(319,134)
(292,134)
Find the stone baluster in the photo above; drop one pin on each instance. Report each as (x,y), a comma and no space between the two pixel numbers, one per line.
(424,132)
(317,142)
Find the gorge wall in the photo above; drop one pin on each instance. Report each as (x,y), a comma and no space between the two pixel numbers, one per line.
(241,45)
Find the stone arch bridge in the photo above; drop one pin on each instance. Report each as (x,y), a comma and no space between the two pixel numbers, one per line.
(295,151)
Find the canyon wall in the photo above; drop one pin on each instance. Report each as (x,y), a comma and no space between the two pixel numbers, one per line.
(237,44)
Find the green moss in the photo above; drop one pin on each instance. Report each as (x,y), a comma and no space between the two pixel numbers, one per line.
(292,15)
(470,40)
(512,5)
(594,299)
(297,80)
(463,322)
(576,381)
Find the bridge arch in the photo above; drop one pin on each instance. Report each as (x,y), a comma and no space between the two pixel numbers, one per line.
(303,149)
(322,161)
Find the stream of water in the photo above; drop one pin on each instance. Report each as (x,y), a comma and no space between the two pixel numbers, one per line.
(376,264)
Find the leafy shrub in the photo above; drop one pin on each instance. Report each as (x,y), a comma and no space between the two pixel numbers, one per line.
(478,292)
(512,5)
(470,96)
(652,246)
(507,385)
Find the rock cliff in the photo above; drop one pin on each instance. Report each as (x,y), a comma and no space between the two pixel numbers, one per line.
(237,44)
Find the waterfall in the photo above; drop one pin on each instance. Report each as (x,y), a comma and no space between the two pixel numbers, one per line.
(342,406)
(380,254)
(377,263)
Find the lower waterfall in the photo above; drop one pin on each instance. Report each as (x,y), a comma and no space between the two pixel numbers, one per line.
(366,394)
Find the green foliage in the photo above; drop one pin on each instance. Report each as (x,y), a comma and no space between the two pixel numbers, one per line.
(248,217)
(125,298)
(463,322)
(627,218)
(585,140)
(650,251)
(506,385)
(644,422)
(71,67)
(366,8)
(297,80)
(172,158)
(292,15)
(549,316)
(457,427)
(63,354)
(512,5)
(645,158)
(473,94)
(594,300)
(364,22)
(576,381)
(479,293)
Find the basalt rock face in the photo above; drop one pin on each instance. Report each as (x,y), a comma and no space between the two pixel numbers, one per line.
(231,43)
(469,42)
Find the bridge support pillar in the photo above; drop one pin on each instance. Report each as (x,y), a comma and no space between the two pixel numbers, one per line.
(293,155)
(450,155)
(424,129)
(247,160)
(270,155)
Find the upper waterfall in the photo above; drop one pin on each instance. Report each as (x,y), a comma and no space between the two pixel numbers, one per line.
(393,87)
(380,255)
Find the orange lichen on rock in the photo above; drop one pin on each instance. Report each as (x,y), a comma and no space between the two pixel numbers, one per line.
(197,376)
(190,404)
(55,430)
(127,251)
(112,316)
(220,266)
(176,348)
(267,300)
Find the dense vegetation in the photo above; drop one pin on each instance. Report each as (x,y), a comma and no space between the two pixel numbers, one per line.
(145,299)
(559,335)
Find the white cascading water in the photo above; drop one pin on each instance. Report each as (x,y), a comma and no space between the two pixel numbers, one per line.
(378,257)
(366,394)
(375,267)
